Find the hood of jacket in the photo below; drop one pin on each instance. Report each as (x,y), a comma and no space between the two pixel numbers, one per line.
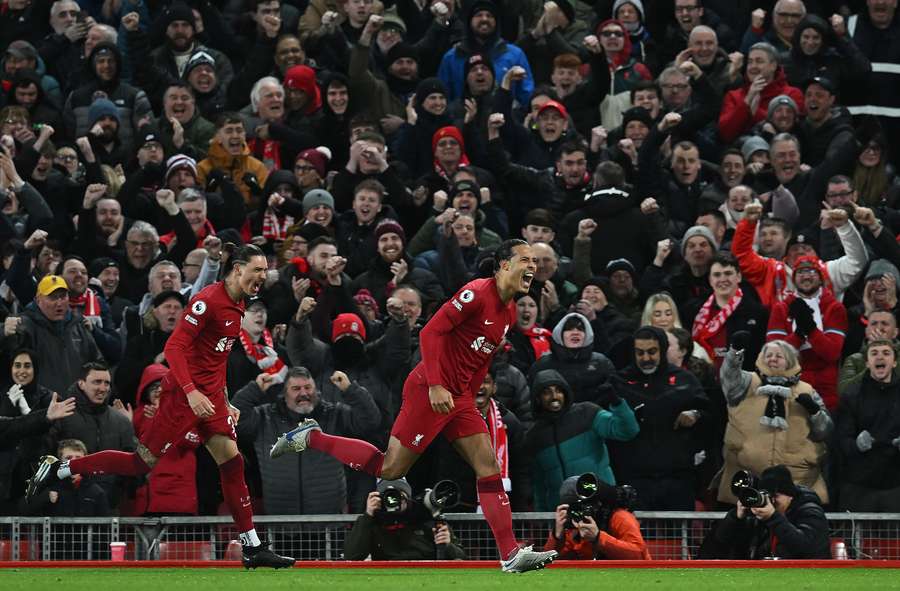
(91,71)
(623,57)
(812,21)
(152,373)
(281,177)
(633,371)
(609,201)
(542,380)
(564,353)
(471,43)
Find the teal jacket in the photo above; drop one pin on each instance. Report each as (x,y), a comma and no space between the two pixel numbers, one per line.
(572,441)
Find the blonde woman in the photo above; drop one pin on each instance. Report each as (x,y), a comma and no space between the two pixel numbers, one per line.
(660,311)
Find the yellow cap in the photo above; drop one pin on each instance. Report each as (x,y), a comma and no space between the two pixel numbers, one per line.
(51,283)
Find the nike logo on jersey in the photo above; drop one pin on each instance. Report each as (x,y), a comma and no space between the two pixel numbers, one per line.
(488,323)
(229,322)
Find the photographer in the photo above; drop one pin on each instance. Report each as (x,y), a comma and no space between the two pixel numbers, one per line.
(788,522)
(394,527)
(598,528)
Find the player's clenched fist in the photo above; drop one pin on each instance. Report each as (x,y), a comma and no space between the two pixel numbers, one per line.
(441,399)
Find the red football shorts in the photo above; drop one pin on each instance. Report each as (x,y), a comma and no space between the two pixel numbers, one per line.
(175,418)
(417,424)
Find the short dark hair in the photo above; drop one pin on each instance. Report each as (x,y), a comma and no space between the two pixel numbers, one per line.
(645,85)
(570,147)
(716,213)
(76,444)
(180,84)
(90,366)
(610,174)
(363,120)
(731,152)
(316,242)
(785,227)
(685,145)
(544,90)
(505,252)
(840,179)
(228,118)
(726,259)
(683,338)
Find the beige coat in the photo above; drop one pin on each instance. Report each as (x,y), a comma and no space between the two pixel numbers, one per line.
(752,446)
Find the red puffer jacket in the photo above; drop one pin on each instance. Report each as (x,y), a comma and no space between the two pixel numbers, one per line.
(735,117)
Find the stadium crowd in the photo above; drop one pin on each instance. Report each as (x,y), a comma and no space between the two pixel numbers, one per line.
(708,187)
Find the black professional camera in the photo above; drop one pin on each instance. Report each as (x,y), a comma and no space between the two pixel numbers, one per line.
(391,499)
(745,486)
(597,500)
(444,495)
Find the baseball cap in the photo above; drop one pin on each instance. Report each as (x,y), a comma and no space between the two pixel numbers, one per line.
(22,50)
(554,105)
(51,283)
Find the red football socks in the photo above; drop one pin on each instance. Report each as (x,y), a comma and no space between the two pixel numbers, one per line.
(355,453)
(234,489)
(495,505)
(110,461)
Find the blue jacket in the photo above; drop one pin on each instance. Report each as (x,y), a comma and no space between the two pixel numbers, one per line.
(503,55)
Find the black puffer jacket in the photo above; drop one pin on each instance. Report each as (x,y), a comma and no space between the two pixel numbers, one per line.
(312,482)
(583,368)
(800,533)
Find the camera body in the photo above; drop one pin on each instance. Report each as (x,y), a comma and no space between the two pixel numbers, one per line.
(597,500)
(745,486)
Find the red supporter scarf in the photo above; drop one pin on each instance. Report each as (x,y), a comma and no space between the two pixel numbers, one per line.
(540,339)
(88,302)
(207,230)
(263,355)
(499,438)
(463,162)
(273,228)
(706,325)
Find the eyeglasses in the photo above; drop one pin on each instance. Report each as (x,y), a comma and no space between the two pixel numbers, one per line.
(841,194)
(15,122)
(612,34)
(66,158)
(682,9)
(807,271)
(447,144)
(136,244)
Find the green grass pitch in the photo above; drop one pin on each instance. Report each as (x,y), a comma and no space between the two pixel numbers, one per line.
(357,579)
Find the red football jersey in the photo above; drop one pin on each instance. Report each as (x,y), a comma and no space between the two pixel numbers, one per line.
(197,351)
(459,342)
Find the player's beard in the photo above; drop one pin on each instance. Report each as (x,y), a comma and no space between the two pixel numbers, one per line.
(348,352)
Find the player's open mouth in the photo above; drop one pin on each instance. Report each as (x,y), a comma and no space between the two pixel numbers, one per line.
(256,286)
(526,279)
